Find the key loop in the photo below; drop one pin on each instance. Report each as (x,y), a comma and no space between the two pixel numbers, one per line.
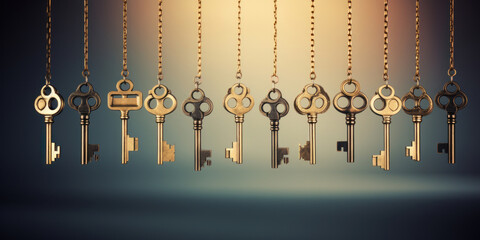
(197,80)
(43,102)
(451,106)
(417,109)
(313,76)
(392,104)
(274,78)
(350,96)
(84,107)
(238,76)
(197,113)
(160,109)
(239,109)
(452,72)
(125,73)
(312,108)
(274,114)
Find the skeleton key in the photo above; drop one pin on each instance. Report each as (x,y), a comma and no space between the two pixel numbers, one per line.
(79,101)
(196,100)
(236,152)
(451,106)
(125,101)
(350,110)
(273,100)
(308,152)
(44,105)
(391,106)
(165,152)
(417,112)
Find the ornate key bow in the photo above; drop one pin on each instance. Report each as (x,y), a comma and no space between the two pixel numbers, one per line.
(391,103)
(84,107)
(274,114)
(197,113)
(240,109)
(417,109)
(160,109)
(43,103)
(312,108)
(350,96)
(451,106)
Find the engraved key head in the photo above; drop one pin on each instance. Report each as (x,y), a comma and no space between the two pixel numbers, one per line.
(197,105)
(312,94)
(80,99)
(351,96)
(417,94)
(160,109)
(269,106)
(390,104)
(455,98)
(238,94)
(50,103)
(125,100)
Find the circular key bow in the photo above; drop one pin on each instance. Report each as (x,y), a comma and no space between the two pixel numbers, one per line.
(312,98)
(160,109)
(84,107)
(239,98)
(417,109)
(274,101)
(197,113)
(43,103)
(391,103)
(350,96)
(452,106)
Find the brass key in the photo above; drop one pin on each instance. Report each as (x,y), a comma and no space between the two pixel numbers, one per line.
(236,151)
(417,112)
(350,111)
(273,100)
(125,101)
(451,106)
(44,105)
(79,101)
(165,152)
(308,151)
(391,106)
(196,100)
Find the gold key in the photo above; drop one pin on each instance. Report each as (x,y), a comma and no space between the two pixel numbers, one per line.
(350,110)
(79,101)
(273,101)
(192,107)
(308,151)
(45,105)
(236,152)
(417,112)
(451,106)
(125,101)
(391,105)
(165,152)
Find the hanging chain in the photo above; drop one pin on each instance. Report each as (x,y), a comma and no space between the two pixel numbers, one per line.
(312,42)
(416,78)
(198,78)
(239,41)
(274,77)
(451,71)
(349,44)
(48,74)
(385,43)
(125,70)
(160,39)
(85,72)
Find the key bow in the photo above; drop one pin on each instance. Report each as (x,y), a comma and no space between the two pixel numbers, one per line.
(417,109)
(391,103)
(160,109)
(125,100)
(84,107)
(274,114)
(350,96)
(240,109)
(311,98)
(43,103)
(197,113)
(451,106)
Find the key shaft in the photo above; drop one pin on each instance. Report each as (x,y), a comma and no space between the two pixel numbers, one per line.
(386,141)
(197,127)
(312,123)
(274,141)
(51,151)
(413,151)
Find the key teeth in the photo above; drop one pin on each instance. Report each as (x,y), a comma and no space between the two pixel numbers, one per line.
(168,152)
(342,146)
(281,156)
(411,152)
(132,143)
(442,148)
(55,152)
(233,152)
(91,155)
(304,151)
(204,155)
(379,160)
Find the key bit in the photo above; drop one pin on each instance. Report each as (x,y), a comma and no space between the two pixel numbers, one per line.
(233,152)
(311,110)
(451,107)
(49,104)
(125,101)
(282,152)
(79,100)
(304,151)
(195,101)
(92,149)
(350,111)
(381,160)
(168,152)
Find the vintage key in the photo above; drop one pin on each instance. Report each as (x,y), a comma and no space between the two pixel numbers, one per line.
(417,112)
(79,101)
(273,101)
(125,101)
(49,104)
(350,110)
(236,151)
(391,106)
(308,151)
(452,106)
(192,107)
(165,152)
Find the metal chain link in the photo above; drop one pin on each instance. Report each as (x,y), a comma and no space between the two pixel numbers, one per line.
(416,78)
(385,43)
(313,76)
(274,77)
(239,41)
(160,40)
(48,36)
(349,44)
(451,71)
(125,69)
(198,78)
(85,72)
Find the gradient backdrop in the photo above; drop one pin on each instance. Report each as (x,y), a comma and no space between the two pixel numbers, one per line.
(332,199)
